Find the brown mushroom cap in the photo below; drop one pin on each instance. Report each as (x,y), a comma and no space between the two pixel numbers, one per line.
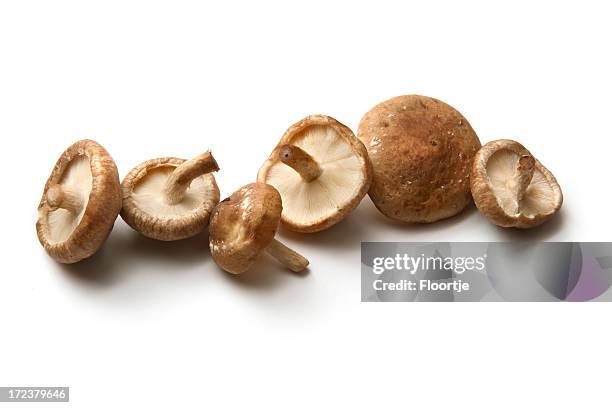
(244,225)
(80,203)
(421,151)
(321,170)
(512,188)
(170,199)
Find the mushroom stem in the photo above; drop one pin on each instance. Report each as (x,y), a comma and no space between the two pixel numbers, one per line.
(181,178)
(300,161)
(287,256)
(524,174)
(59,196)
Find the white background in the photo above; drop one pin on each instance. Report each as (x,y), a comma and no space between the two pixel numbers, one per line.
(158,324)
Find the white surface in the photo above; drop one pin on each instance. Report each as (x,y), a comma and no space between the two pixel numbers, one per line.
(157,324)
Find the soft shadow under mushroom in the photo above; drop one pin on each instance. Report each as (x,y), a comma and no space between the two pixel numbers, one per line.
(127,251)
(344,236)
(265,275)
(469,211)
(540,233)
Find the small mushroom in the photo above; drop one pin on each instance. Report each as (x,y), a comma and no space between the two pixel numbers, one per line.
(511,187)
(321,170)
(170,199)
(421,151)
(244,224)
(80,203)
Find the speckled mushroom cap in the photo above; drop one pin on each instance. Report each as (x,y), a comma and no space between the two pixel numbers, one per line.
(243,225)
(421,151)
(512,188)
(80,203)
(321,170)
(147,189)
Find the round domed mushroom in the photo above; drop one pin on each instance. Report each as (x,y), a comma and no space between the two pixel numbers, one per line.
(244,225)
(80,203)
(321,170)
(421,151)
(170,199)
(512,188)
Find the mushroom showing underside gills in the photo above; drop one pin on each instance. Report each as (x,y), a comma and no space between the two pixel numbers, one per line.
(244,225)
(511,187)
(170,199)
(80,203)
(421,151)
(321,170)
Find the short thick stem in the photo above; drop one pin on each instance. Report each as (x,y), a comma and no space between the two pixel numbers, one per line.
(300,161)
(524,174)
(287,256)
(181,178)
(59,196)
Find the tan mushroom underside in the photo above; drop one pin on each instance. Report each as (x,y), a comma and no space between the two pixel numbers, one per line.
(309,205)
(146,210)
(539,197)
(503,195)
(80,202)
(148,194)
(77,178)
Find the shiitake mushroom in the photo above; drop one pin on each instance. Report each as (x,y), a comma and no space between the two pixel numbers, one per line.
(244,225)
(170,199)
(321,170)
(80,203)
